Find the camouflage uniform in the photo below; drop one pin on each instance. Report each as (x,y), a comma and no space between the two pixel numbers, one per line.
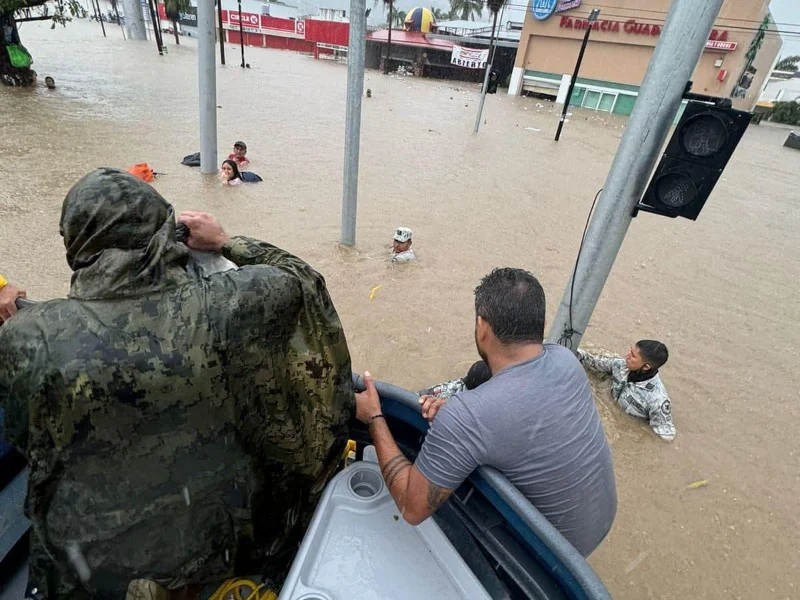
(644,399)
(178,428)
(478,374)
(406,256)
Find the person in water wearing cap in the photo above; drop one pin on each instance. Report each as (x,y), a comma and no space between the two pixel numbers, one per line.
(401,245)
(239,155)
(636,384)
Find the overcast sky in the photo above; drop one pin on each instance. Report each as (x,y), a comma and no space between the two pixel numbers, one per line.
(787,11)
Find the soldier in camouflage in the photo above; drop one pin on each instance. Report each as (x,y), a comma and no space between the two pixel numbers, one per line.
(178,428)
(637,386)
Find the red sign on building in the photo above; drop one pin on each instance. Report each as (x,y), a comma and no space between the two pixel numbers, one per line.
(718,40)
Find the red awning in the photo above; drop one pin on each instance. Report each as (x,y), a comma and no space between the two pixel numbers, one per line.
(409,38)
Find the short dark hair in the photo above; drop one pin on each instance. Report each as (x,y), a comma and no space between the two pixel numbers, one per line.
(512,302)
(653,352)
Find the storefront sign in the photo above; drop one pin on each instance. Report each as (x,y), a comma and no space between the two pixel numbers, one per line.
(469,58)
(722,46)
(189,18)
(718,40)
(567,5)
(543,9)
(300,28)
(248,19)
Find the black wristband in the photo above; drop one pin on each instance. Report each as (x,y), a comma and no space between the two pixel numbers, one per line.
(373,417)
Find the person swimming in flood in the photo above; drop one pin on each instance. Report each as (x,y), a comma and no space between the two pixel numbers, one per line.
(231,175)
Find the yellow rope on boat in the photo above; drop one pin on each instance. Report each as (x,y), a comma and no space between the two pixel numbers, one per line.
(234,588)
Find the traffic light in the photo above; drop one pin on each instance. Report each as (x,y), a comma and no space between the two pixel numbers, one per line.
(701,146)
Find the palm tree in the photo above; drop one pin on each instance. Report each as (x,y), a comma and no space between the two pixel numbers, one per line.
(173,9)
(439,14)
(466,10)
(788,64)
(400,18)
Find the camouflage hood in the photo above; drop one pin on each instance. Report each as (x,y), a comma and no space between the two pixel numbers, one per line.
(119,234)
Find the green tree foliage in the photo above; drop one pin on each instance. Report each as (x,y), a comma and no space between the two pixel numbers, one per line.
(494,6)
(173,9)
(786,112)
(789,63)
(466,10)
(12,6)
(439,14)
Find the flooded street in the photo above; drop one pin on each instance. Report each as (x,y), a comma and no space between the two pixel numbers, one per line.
(722,293)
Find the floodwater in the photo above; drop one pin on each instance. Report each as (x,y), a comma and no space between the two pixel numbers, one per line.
(721,292)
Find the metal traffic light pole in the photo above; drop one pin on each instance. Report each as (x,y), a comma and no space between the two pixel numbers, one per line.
(682,41)
(207,83)
(356,54)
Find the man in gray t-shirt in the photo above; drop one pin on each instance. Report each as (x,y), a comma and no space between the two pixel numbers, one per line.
(534,420)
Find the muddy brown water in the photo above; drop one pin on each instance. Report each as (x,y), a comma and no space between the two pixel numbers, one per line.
(721,292)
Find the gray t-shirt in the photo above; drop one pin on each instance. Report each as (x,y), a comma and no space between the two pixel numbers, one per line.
(535,422)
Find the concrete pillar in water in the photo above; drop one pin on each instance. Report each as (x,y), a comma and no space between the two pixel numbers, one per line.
(134,19)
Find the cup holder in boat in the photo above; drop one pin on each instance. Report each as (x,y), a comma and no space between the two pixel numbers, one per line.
(366,483)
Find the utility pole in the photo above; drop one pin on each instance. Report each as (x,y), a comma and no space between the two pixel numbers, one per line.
(681,44)
(221,33)
(207,81)
(98,16)
(356,51)
(156,26)
(489,62)
(592,19)
(134,19)
(241,32)
(115,4)
(389,40)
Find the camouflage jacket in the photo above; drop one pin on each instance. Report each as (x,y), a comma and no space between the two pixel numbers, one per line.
(644,399)
(177,427)
(406,256)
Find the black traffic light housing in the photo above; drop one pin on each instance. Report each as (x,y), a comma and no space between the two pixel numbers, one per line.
(701,146)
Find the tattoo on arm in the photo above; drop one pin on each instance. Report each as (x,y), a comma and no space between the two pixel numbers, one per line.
(436,496)
(393,468)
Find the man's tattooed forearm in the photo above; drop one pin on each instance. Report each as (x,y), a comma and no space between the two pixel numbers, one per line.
(393,468)
(436,496)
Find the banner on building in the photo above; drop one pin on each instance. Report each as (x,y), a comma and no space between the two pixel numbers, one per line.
(189,18)
(469,58)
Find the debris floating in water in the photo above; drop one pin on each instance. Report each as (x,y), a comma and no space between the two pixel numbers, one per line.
(186,496)
(373,292)
(697,484)
(78,561)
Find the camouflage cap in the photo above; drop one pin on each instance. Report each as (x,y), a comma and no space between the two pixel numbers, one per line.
(403,234)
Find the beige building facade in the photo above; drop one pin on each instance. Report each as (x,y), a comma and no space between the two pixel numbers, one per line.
(621,45)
